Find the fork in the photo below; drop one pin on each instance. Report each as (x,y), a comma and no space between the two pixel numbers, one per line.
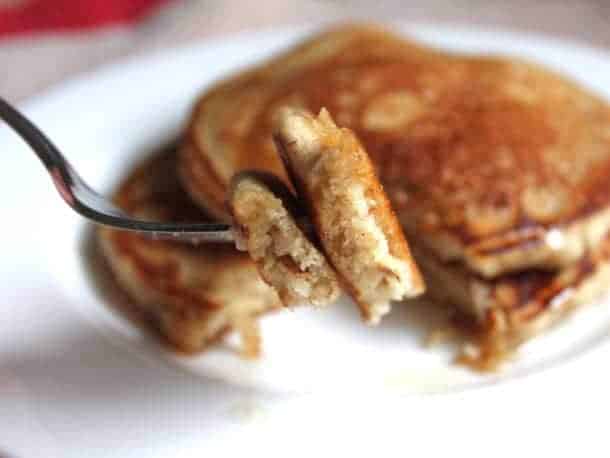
(92,205)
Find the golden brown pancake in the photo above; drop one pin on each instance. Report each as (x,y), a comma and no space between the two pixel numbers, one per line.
(265,223)
(194,293)
(497,163)
(349,209)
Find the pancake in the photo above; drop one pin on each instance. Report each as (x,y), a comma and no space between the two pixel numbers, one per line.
(497,163)
(349,210)
(195,294)
(265,223)
(503,312)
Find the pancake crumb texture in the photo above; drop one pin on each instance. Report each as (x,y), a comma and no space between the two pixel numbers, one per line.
(286,258)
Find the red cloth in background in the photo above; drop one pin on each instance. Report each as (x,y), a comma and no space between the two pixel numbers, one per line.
(34,16)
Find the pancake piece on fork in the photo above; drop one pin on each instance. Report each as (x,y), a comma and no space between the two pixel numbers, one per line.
(195,294)
(497,168)
(349,210)
(265,223)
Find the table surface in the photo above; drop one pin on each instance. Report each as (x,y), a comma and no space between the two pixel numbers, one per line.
(35,63)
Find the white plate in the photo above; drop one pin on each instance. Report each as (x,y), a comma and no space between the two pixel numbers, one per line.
(75,375)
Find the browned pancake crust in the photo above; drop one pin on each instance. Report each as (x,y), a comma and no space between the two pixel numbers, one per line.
(189,290)
(480,156)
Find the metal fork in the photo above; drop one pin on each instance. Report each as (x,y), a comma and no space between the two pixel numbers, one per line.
(93,206)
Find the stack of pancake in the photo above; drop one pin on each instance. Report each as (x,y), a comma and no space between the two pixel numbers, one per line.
(498,169)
